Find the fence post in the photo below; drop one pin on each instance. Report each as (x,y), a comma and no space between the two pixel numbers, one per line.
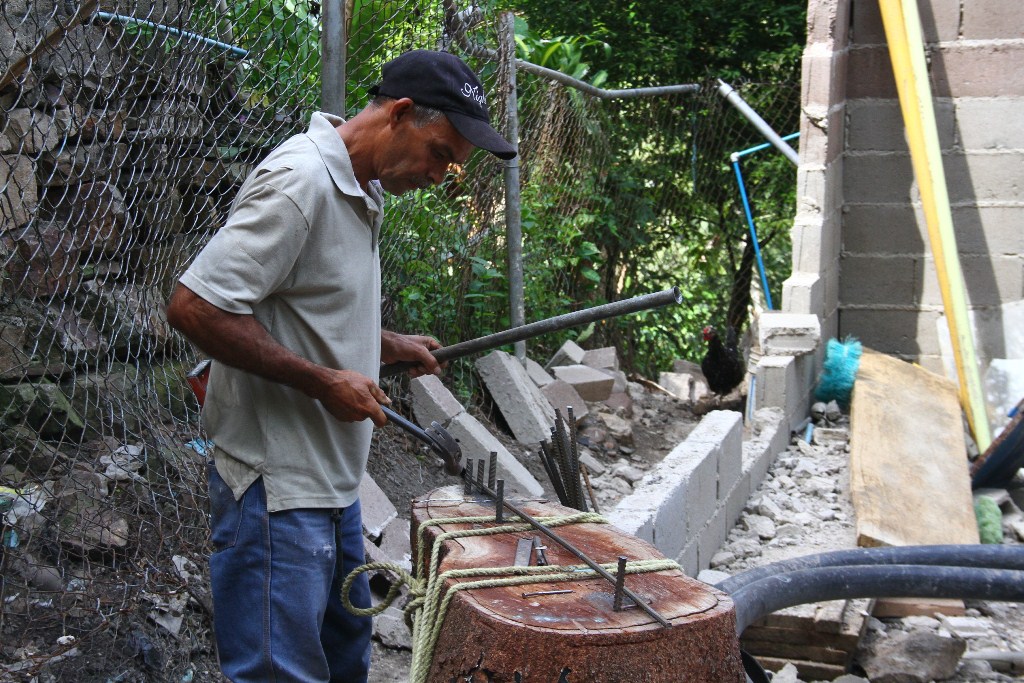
(332,49)
(513,224)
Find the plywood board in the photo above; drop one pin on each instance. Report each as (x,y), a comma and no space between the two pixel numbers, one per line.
(908,464)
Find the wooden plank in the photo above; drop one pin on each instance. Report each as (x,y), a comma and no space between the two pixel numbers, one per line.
(918,607)
(908,464)
(808,671)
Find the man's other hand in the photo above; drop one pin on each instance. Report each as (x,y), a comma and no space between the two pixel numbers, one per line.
(414,348)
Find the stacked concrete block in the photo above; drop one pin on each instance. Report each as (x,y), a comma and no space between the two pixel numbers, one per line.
(560,394)
(606,358)
(432,401)
(528,413)
(570,353)
(378,511)
(478,443)
(590,384)
(788,334)
(537,373)
(785,382)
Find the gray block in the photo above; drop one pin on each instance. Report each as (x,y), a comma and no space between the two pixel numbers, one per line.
(561,394)
(537,373)
(432,401)
(606,358)
(378,511)
(725,428)
(570,353)
(591,384)
(788,334)
(476,443)
(679,384)
(688,559)
(711,537)
(685,366)
(528,413)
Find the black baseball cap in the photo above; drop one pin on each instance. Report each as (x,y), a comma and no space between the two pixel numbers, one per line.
(442,81)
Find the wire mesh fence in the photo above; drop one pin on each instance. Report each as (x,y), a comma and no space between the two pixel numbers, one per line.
(125,131)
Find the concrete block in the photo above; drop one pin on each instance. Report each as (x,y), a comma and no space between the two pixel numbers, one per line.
(982,177)
(988,229)
(686,366)
(940,20)
(711,537)
(378,511)
(824,76)
(688,559)
(680,384)
(620,383)
(561,394)
(777,384)
(874,73)
(636,521)
(887,228)
(395,544)
(724,428)
(606,358)
(528,413)
(991,280)
(906,333)
(591,384)
(878,178)
(476,442)
(737,499)
(788,334)
(390,629)
(822,132)
(537,373)
(819,188)
(570,353)
(978,69)
(992,19)
(803,292)
(866,24)
(878,279)
(975,117)
(431,401)
(827,22)
(877,126)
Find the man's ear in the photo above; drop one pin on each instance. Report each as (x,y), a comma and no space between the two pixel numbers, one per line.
(400,109)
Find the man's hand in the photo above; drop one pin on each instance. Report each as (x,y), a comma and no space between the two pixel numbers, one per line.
(242,342)
(415,348)
(352,397)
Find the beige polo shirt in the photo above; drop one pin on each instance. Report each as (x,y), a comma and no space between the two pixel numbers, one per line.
(298,252)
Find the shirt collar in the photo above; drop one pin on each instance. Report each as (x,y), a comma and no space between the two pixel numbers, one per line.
(335,156)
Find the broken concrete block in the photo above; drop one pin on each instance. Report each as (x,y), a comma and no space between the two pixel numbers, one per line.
(476,443)
(788,334)
(621,382)
(378,511)
(620,400)
(528,413)
(395,544)
(569,354)
(432,401)
(561,394)
(537,373)
(590,384)
(686,366)
(390,629)
(606,358)
(679,384)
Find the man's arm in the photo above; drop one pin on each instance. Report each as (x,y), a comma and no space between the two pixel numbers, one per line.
(242,342)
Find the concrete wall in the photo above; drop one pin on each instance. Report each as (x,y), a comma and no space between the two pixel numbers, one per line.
(859,201)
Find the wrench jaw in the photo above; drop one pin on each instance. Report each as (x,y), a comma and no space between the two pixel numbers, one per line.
(447,447)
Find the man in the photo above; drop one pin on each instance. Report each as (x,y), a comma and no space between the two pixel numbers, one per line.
(286,298)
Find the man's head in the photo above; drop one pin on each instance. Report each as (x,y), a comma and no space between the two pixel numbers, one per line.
(441,81)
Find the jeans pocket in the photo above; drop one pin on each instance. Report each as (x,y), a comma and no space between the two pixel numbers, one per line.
(225,511)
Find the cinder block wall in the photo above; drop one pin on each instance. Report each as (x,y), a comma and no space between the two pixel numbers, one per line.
(888,293)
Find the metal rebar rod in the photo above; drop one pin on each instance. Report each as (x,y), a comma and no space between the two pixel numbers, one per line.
(574,451)
(559,322)
(551,467)
(515,509)
(492,469)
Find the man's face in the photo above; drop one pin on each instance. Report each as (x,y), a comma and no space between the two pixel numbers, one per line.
(419,157)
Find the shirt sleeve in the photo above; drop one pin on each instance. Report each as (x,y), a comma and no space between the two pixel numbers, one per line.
(254,253)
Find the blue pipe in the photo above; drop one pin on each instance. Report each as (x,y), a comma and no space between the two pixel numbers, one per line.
(241,52)
(765,145)
(753,231)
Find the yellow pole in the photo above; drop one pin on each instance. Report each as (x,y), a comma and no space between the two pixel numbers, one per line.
(906,49)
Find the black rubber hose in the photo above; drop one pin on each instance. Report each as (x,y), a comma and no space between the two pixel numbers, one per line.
(986,556)
(762,597)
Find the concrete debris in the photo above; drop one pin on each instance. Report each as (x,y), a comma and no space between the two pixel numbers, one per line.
(570,353)
(590,384)
(915,656)
(527,412)
(561,395)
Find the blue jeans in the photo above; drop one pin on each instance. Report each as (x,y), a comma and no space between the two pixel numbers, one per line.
(276,581)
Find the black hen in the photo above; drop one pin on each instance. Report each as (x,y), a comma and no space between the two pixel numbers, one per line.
(723,364)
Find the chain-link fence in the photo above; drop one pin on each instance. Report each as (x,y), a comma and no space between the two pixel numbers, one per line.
(125,130)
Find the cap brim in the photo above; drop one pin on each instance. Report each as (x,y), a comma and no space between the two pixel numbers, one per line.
(481,135)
